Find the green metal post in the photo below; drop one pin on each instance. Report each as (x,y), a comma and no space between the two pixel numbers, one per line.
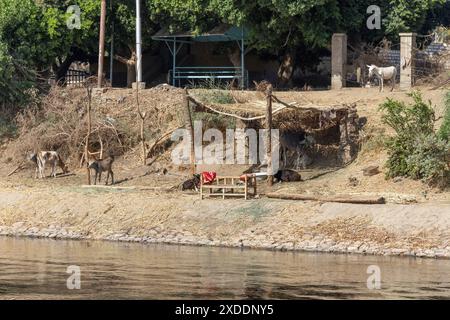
(242,59)
(174,53)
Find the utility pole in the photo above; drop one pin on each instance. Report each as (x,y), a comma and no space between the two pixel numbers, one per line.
(101,46)
(138,43)
(111,51)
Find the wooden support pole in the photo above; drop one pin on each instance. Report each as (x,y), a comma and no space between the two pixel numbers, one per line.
(142,116)
(190,128)
(86,146)
(268,125)
(101,45)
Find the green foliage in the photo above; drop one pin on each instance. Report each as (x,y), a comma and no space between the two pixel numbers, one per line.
(428,159)
(214,121)
(278,24)
(407,15)
(8,128)
(213,92)
(415,151)
(444,130)
(216,96)
(277,21)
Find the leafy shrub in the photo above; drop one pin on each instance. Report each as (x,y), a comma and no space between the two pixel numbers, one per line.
(213,92)
(8,128)
(428,158)
(415,151)
(216,96)
(444,130)
(215,121)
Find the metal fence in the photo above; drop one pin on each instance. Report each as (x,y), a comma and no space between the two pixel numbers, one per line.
(76,78)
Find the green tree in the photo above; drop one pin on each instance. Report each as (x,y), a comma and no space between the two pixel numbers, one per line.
(292,29)
(415,150)
(124,17)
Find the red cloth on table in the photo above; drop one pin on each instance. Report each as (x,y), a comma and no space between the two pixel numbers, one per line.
(208,176)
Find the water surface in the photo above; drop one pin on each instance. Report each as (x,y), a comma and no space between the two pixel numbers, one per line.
(36,269)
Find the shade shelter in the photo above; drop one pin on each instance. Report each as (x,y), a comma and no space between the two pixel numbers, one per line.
(221,33)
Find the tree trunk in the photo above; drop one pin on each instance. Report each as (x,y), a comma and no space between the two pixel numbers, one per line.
(286,69)
(235,59)
(131,74)
(86,147)
(131,67)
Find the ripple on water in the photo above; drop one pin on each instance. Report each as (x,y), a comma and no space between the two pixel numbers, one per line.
(36,268)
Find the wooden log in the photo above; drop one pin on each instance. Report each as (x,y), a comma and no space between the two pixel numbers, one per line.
(18,168)
(142,117)
(63,175)
(86,147)
(188,124)
(341,199)
(139,188)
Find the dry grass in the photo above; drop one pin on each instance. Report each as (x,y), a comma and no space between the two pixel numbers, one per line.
(60,122)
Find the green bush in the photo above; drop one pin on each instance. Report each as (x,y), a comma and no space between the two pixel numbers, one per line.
(428,160)
(8,128)
(415,151)
(213,92)
(444,130)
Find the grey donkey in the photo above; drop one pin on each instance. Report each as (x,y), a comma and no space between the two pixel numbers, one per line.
(102,165)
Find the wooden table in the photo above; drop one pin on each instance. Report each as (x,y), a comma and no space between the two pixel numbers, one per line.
(229,186)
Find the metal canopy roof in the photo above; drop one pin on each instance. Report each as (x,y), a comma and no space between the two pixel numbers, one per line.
(221,33)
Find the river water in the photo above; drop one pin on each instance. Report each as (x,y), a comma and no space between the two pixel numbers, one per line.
(37,269)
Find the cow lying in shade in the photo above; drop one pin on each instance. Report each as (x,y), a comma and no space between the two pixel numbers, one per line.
(287,175)
(42,158)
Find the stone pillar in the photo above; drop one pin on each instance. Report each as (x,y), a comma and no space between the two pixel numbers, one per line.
(338,60)
(141,85)
(407,51)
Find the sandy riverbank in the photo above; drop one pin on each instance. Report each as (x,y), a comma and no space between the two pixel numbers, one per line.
(421,230)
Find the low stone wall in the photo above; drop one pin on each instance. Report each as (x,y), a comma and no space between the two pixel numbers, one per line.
(412,230)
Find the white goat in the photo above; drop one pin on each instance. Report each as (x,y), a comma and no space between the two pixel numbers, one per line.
(383,73)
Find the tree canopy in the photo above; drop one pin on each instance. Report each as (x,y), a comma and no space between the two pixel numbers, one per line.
(34,32)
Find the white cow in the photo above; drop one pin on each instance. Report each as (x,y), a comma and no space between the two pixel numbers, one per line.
(383,73)
(41,158)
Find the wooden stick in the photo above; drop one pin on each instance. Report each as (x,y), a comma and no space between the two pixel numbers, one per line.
(204,106)
(268,125)
(284,106)
(341,199)
(63,175)
(157,141)
(101,146)
(189,127)
(142,116)
(19,167)
(86,147)
(129,187)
